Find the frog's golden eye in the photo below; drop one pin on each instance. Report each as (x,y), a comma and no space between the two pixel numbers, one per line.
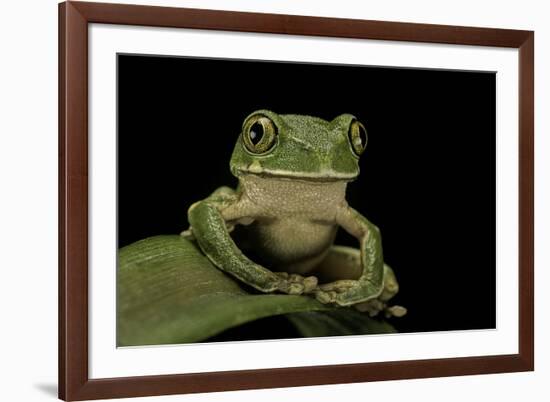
(357,137)
(259,134)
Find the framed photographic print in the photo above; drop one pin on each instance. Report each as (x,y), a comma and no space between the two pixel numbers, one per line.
(227,179)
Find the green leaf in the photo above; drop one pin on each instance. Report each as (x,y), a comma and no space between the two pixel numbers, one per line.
(345,321)
(169,292)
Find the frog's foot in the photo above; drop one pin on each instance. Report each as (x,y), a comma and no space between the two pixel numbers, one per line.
(328,292)
(375,306)
(325,297)
(294,284)
(371,307)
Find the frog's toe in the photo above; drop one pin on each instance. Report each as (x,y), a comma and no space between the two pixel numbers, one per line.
(325,297)
(395,311)
(296,289)
(297,284)
(188,234)
(295,278)
(372,307)
(310,284)
(291,288)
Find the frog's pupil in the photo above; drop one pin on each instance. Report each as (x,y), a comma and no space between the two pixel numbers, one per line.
(256,133)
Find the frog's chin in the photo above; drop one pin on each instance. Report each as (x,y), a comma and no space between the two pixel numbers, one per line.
(319,177)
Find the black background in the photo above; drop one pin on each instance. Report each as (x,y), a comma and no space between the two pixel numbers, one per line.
(427,176)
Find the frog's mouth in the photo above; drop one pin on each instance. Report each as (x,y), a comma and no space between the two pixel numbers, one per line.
(321,177)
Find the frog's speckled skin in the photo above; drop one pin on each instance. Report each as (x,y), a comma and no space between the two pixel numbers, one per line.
(286,210)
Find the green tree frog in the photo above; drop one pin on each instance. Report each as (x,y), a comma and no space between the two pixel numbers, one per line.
(276,230)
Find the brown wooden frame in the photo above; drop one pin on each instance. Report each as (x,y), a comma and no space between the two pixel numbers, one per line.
(74,17)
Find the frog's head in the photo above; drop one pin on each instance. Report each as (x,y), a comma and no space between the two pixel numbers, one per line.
(299,147)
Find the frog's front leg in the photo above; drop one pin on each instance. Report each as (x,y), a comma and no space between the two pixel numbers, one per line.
(208,220)
(370,283)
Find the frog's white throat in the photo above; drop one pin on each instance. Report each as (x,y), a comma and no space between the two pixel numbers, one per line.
(289,194)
